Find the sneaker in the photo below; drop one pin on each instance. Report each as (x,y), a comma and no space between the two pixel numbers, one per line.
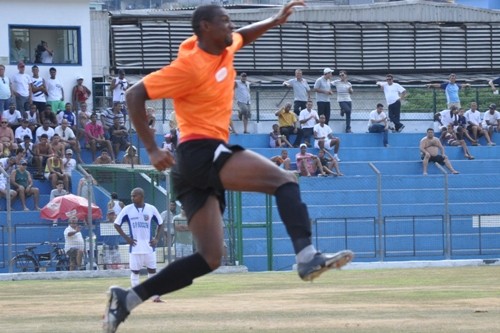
(321,263)
(335,156)
(491,144)
(116,309)
(400,129)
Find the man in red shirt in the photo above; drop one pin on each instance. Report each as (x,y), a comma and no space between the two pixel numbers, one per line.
(94,133)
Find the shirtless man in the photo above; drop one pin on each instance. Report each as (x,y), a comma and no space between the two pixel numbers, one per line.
(429,148)
(42,151)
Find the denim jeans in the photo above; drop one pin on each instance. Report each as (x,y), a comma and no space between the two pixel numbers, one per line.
(379,128)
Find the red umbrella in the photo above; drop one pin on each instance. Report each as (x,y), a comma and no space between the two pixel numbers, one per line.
(68,205)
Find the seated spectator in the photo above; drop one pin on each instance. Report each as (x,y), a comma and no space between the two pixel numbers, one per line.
(449,137)
(83,119)
(118,136)
(29,148)
(12,116)
(95,137)
(108,116)
(7,141)
(170,143)
(308,118)
(8,163)
(58,191)
(57,146)
(73,243)
(42,151)
(307,163)
(67,114)
(430,148)
(22,130)
(324,139)
(3,190)
(474,126)
(47,114)
(130,156)
(276,140)
(22,183)
(377,123)
(68,138)
(44,129)
(491,120)
(54,171)
(20,155)
(69,164)
(329,163)
(461,128)
(289,124)
(33,118)
(115,205)
(151,114)
(282,160)
(104,158)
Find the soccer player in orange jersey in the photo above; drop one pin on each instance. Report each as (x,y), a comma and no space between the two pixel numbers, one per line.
(200,82)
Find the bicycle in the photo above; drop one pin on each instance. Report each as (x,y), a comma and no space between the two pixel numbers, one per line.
(31,261)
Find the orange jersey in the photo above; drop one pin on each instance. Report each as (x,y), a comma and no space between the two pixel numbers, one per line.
(202,88)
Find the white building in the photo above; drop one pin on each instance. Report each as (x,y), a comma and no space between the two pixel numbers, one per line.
(63,25)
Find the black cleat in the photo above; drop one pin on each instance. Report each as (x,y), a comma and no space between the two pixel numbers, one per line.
(116,310)
(321,263)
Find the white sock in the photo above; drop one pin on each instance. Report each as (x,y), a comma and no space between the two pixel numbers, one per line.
(306,254)
(133,300)
(134,279)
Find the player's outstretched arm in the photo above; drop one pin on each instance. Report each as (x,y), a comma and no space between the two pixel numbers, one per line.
(253,31)
(136,98)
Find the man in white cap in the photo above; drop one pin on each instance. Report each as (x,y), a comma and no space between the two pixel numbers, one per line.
(323,89)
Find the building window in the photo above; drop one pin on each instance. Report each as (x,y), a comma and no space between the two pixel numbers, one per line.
(44,45)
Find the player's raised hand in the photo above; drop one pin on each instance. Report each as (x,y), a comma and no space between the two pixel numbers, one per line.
(161,159)
(287,10)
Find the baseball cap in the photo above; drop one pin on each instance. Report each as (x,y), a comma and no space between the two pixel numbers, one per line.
(69,151)
(79,77)
(493,106)
(327,70)
(303,145)
(24,162)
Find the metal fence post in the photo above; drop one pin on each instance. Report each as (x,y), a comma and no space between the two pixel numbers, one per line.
(447,222)
(380,219)
(8,202)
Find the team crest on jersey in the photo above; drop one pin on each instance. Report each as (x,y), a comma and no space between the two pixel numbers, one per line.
(146,217)
(221,74)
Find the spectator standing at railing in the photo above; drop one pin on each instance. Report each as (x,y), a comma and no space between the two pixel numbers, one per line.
(80,93)
(21,87)
(451,90)
(39,89)
(118,86)
(394,93)
(55,92)
(5,89)
(243,98)
(323,90)
(301,91)
(344,92)
(493,84)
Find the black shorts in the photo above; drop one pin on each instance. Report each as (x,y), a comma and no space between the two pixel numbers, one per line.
(437,159)
(195,176)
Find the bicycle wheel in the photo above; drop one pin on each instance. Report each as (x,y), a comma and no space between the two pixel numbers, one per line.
(62,265)
(24,263)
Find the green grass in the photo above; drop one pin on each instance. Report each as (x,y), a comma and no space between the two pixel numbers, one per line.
(414,300)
